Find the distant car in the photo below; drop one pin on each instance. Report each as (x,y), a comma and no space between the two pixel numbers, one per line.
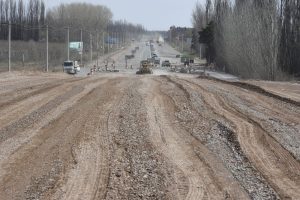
(129,56)
(157,61)
(186,59)
(154,55)
(166,63)
(187,63)
(177,56)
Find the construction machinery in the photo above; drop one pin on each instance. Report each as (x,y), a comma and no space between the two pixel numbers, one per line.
(145,67)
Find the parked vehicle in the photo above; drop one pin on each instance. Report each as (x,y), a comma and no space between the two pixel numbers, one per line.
(187,60)
(154,55)
(71,67)
(129,56)
(166,63)
(156,61)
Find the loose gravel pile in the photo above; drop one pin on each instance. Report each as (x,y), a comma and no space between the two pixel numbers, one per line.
(138,171)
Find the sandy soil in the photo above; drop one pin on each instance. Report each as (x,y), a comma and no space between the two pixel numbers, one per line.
(286,89)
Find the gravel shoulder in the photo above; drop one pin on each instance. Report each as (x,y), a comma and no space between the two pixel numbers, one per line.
(286,89)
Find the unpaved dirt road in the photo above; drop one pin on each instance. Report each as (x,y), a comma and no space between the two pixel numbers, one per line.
(124,136)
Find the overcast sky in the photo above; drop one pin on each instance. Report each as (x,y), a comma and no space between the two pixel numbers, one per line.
(153,14)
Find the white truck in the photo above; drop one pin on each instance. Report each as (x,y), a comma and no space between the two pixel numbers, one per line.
(71,67)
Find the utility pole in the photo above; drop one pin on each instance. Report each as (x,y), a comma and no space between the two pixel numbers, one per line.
(108,45)
(9,46)
(47,46)
(103,45)
(97,46)
(91,47)
(113,40)
(68,45)
(123,39)
(81,47)
(200,51)
(182,43)
(118,40)
(23,60)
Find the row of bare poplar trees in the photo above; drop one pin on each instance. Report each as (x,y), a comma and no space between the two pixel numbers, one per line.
(250,38)
(21,15)
(30,17)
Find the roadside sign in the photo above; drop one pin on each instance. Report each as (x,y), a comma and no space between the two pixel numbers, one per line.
(78,46)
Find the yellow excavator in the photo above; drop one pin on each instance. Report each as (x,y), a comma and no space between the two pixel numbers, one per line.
(145,67)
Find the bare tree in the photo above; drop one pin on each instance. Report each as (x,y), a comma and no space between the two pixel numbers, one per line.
(208,11)
(21,19)
(199,22)
(290,40)
(79,16)
(246,37)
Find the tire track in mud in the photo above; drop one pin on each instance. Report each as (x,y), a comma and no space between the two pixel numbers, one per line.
(202,176)
(89,178)
(262,150)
